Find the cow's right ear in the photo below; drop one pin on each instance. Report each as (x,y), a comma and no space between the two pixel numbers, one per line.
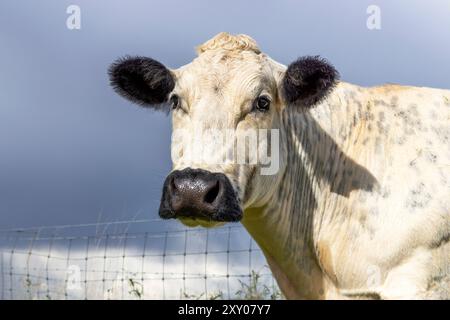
(142,80)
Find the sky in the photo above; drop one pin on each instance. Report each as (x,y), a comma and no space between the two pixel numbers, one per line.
(72,151)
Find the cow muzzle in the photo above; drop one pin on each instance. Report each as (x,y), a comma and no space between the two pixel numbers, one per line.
(197,194)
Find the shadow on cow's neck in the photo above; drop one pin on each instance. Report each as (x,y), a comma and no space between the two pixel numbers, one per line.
(284,228)
(329,163)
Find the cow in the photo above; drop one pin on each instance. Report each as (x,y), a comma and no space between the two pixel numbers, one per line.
(358,206)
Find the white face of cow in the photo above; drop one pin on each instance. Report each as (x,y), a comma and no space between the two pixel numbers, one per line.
(226,105)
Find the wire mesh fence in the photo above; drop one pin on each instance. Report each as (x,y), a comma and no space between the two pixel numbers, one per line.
(96,261)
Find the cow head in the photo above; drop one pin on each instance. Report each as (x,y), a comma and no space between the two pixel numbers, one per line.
(226,108)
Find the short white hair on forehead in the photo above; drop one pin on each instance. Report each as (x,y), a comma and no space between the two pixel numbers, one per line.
(229,42)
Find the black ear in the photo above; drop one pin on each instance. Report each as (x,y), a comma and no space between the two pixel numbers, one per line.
(308,80)
(141,80)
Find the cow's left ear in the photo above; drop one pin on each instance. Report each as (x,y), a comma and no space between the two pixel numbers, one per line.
(308,80)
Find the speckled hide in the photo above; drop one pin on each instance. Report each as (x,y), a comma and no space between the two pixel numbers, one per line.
(363,208)
(360,205)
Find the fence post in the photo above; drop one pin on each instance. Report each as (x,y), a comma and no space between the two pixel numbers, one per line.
(11,268)
(164,264)
(2,275)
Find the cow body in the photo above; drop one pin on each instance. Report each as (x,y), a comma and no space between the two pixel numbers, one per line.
(363,207)
(360,204)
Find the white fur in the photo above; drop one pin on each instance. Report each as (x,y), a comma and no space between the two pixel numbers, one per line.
(373,226)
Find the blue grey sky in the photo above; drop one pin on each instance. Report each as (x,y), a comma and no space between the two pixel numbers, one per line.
(71,149)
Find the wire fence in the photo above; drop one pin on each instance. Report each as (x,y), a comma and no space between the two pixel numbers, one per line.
(120,260)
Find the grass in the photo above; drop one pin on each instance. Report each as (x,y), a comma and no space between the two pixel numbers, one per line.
(253,290)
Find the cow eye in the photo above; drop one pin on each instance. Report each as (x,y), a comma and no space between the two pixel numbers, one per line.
(262,103)
(175,101)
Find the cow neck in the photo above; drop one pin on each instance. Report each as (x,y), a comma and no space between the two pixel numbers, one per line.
(284,227)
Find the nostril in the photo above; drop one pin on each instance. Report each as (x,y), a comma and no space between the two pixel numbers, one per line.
(212,193)
(173,185)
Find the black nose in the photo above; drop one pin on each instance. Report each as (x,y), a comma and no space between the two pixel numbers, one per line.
(198,193)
